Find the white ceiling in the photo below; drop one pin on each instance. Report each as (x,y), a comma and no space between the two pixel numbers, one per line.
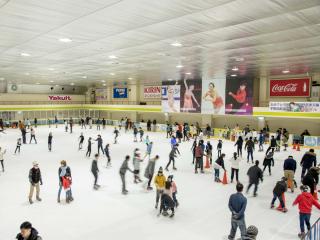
(269,36)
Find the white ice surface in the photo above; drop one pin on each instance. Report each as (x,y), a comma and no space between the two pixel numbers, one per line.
(203,213)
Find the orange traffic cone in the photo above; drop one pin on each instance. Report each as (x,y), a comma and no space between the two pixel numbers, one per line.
(284,201)
(289,183)
(207,163)
(225,179)
(298,147)
(294,146)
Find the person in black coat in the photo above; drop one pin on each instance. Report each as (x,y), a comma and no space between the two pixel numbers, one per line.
(35,179)
(64,171)
(273,145)
(250,148)
(311,179)
(27,232)
(279,189)
(268,162)
(255,175)
(239,144)
(95,171)
(308,160)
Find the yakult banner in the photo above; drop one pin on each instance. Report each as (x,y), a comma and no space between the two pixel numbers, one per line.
(59,98)
(152,92)
(295,87)
(294,106)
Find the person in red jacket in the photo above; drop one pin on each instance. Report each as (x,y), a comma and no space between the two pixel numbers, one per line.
(305,201)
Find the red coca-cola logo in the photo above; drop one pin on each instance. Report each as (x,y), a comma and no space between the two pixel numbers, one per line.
(284,88)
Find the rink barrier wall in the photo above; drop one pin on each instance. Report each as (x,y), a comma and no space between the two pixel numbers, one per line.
(314,232)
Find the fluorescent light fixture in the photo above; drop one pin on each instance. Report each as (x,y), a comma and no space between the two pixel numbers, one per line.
(51,69)
(130,78)
(176,44)
(57,85)
(103,81)
(65,40)
(84,76)
(24,54)
(179,66)
(235,69)
(2,78)
(239,59)
(113,57)
(233,75)
(51,81)
(112,74)
(27,74)
(260,118)
(71,84)
(104,84)
(285,71)
(37,83)
(170,79)
(188,73)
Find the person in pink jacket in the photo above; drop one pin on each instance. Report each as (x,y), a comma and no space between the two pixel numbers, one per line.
(305,201)
(173,190)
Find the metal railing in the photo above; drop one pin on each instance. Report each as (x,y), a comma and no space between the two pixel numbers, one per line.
(314,232)
(79,102)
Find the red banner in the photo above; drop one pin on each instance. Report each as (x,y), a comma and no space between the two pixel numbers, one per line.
(295,87)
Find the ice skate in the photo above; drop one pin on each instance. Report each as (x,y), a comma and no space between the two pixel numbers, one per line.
(30,201)
(39,199)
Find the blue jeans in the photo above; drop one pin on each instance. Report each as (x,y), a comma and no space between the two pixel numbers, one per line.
(234,226)
(304,218)
(280,199)
(250,153)
(216,174)
(60,189)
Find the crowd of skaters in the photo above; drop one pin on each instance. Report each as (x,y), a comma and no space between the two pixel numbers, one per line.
(166,188)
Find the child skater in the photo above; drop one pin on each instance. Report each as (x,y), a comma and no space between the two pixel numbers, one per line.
(141,132)
(135,132)
(136,165)
(173,190)
(149,149)
(278,191)
(107,152)
(66,182)
(219,147)
(116,134)
(159,181)
(167,201)
(50,141)
(81,139)
(18,146)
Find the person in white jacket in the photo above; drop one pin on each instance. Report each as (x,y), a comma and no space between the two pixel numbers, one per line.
(136,165)
(2,158)
(235,162)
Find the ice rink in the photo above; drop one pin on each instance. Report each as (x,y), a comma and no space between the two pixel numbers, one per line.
(203,213)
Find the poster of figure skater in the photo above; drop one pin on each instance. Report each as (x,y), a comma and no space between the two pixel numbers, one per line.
(190,100)
(239,95)
(170,99)
(213,96)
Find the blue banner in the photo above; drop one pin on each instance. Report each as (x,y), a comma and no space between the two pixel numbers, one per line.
(120,92)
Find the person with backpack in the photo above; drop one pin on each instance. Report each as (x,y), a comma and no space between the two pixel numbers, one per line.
(235,162)
(255,175)
(199,158)
(305,201)
(268,162)
(250,148)
(219,163)
(278,191)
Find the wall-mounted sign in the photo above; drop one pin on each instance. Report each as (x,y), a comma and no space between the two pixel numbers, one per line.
(101,94)
(152,92)
(120,92)
(294,106)
(295,87)
(59,98)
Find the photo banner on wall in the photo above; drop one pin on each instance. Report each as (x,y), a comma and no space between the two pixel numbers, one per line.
(170,96)
(101,94)
(190,100)
(294,106)
(120,92)
(213,96)
(239,95)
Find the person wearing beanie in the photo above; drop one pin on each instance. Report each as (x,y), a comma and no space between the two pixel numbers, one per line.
(35,179)
(268,162)
(255,176)
(289,168)
(279,189)
(237,205)
(123,170)
(305,201)
(308,160)
(251,234)
(27,232)
(159,181)
(150,170)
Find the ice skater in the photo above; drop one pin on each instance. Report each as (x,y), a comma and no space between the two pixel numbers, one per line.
(219,164)
(261,141)
(255,175)
(172,156)
(116,135)
(100,142)
(107,152)
(199,158)
(141,132)
(149,150)
(35,180)
(219,147)
(250,148)
(88,153)
(167,202)
(235,164)
(150,170)
(123,170)
(136,165)
(278,191)
(239,144)
(81,140)
(174,190)
(65,125)
(98,123)
(159,181)
(27,232)
(64,171)
(273,145)
(135,133)
(2,153)
(71,124)
(268,162)
(209,152)
(95,171)
(50,141)
(193,149)
(32,135)
(18,146)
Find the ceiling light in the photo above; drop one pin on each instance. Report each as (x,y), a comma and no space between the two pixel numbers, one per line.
(57,85)
(27,74)
(51,69)
(130,78)
(51,81)
(233,75)
(188,73)
(103,81)
(239,59)
(65,40)
(170,79)
(113,57)
(176,44)
(179,66)
(285,71)
(71,84)
(112,74)
(84,76)
(2,78)
(37,83)
(235,69)
(25,54)
(104,84)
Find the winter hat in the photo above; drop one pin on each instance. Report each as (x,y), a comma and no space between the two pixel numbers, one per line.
(160,170)
(35,163)
(252,231)
(304,188)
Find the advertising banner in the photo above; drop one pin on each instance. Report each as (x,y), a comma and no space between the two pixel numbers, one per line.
(170,96)
(59,98)
(101,94)
(213,96)
(294,106)
(120,92)
(190,100)
(239,95)
(311,141)
(152,92)
(295,87)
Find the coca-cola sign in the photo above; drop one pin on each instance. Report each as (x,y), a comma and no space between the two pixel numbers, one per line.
(59,98)
(295,87)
